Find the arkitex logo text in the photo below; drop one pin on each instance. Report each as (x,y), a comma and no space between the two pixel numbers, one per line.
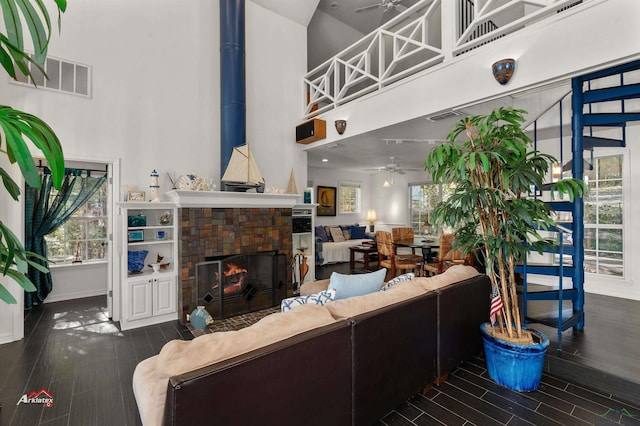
(40,397)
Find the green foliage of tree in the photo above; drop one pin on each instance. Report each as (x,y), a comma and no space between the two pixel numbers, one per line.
(492,172)
(18,128)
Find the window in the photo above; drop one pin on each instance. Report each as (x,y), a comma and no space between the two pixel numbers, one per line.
(349,198)
(423,199)
(603,218)
(84,233)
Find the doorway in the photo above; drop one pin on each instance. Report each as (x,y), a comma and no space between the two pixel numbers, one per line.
(80,249)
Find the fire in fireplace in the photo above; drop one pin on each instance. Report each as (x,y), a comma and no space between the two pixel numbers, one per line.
(238,284)
(235,277)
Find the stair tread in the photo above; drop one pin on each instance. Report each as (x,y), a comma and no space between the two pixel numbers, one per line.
(569,319)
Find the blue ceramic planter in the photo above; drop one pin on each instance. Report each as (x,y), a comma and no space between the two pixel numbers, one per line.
(514,365)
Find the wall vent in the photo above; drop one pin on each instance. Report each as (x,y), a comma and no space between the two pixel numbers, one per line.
(442,116)
(64,76)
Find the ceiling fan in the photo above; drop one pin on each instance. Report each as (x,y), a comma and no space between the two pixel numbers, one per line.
(389,6)
(393,167)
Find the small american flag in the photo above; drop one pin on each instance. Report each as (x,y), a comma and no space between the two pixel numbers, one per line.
(496,304)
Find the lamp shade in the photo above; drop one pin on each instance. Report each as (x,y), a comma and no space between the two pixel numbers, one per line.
(372,216)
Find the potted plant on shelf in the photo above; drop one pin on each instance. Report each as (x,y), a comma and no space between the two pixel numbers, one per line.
(17,128)
(493,173)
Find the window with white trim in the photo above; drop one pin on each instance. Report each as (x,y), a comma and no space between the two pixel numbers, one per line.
(349,195)
(603,217)
(84,233)
(423,198)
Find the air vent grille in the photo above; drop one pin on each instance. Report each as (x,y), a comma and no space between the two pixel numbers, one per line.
(442,116)
(64,76)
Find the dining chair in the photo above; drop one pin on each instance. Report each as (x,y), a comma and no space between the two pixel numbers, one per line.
(387,257)
(447,257)
(405,234)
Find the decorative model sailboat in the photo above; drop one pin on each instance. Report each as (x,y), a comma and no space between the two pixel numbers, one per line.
(242,172)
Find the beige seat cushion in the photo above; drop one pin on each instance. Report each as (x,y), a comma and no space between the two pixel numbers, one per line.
(151,377)
(452,275)
(150,391)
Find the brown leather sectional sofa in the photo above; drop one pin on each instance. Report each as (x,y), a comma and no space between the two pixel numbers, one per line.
(379,351)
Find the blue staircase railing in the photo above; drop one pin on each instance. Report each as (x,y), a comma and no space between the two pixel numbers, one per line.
(582,96)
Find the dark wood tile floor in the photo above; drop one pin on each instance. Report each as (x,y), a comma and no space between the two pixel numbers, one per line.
(73,351)
(605,355)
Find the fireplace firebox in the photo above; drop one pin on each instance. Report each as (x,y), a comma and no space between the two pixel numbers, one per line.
(233,285)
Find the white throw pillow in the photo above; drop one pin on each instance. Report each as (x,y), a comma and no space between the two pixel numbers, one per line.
(315,299)
(404,277)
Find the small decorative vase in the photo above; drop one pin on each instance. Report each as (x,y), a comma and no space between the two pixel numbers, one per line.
(135,260)
(199,317)
(165,218)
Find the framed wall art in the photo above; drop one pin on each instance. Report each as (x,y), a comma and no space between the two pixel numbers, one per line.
(135,236)
(326,196)
(135,196)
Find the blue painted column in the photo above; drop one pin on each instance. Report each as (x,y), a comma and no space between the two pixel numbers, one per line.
(577,169)
(233,110)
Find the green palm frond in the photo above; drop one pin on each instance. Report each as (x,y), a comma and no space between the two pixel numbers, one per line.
(18,129)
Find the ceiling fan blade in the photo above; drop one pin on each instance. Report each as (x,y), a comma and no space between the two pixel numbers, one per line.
(400,171)
(400,8)
(373,6)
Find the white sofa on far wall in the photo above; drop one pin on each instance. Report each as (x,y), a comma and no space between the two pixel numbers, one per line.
(330,250)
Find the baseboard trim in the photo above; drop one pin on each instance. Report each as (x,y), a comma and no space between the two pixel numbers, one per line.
(76,295)
(6,338)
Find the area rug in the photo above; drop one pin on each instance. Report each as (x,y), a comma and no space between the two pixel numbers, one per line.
(234,323)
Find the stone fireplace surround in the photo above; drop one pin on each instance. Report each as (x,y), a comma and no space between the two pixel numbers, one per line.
(219,223)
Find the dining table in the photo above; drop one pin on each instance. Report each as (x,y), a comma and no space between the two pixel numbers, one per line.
(425,244)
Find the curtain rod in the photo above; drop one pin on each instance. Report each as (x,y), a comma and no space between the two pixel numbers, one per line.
(106,167)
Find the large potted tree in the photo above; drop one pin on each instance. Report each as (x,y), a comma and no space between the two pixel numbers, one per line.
(19,130)
(491,208)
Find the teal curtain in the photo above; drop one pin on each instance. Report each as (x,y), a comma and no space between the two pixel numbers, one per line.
(44,213)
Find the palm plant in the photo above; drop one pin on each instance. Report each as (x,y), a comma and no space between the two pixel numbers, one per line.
(17,127)
(493,172)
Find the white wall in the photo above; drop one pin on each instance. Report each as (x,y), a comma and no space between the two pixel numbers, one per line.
(156,89)
(276,61)
(11,213)
(332,177)
(77,281)
(391,204)
(327,37)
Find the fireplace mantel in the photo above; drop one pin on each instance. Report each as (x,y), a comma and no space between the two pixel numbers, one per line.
(227,199)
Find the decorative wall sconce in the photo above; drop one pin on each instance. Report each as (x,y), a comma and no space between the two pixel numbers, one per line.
(341,126)
(503,70)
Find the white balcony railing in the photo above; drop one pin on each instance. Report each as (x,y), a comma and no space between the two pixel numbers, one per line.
(426,34)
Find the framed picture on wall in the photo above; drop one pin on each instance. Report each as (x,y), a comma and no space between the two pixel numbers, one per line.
(326,196)
(135,196)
